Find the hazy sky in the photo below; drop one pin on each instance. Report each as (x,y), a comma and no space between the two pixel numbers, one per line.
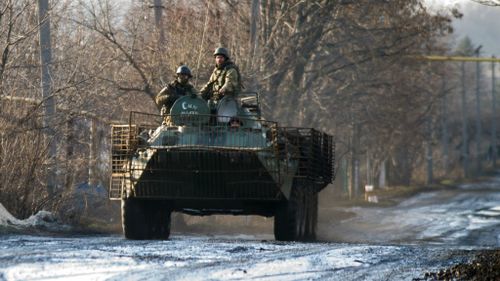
(481,23)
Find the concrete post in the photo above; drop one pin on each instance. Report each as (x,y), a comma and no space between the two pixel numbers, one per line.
(93,152)
(465,142)
(493,118)
(429,151)
(478,120)
(48,98)
(382,175)
(444,127)
(158,10)
(254,17)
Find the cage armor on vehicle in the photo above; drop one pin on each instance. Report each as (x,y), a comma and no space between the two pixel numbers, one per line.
(218,158)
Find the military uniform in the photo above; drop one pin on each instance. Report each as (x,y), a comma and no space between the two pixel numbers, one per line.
(225,79)
(174,90)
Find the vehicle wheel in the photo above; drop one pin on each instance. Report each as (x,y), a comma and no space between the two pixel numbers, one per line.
(145,219)
(133,219)
(159,221)
(289,219)
(312,214)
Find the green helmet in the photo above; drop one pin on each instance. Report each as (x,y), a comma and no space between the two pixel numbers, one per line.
(221,51)
(183,69)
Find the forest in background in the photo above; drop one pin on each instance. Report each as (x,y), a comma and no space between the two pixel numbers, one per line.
(349,68)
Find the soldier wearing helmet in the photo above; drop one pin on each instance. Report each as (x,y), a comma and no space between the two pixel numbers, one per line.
(225,79)
(176,89)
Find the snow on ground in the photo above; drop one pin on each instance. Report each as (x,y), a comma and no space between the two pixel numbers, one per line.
(424,233)
(195,258)
(42,220)
(6,218)
(460,216)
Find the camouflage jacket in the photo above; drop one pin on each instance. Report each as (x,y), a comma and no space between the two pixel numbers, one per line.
(225,80)
(174,90)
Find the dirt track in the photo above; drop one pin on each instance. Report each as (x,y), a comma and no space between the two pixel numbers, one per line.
(439,232)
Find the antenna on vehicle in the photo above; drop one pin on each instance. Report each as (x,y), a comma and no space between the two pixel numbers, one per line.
(201,44)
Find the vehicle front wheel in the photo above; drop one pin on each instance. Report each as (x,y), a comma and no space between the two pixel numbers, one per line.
(159,214)
(145,219)
(133,219)
(289,219)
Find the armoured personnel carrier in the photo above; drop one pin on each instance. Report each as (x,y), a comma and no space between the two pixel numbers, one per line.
(227,160)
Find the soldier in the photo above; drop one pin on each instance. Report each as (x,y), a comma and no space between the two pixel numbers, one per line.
(176,89)
(225,79)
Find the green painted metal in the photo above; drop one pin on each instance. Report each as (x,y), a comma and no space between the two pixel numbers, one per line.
(189,106)
(196,157)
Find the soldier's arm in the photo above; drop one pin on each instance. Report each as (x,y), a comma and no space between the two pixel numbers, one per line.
(166,95)
(162,96)
(231,82)
(206,87)
(206,91)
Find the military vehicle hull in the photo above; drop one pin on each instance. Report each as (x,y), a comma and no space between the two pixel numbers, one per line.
(215,167)
(205,177)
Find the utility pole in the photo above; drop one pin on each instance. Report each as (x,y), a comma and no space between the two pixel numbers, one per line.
(465,143)
(93,152)
(356,127)
(368,169)
(428,141)
(48,98)
(345,177)
(478,115)
(382,175)
(428,151)
(70,143)
(444,126)
(253,30)
(158,7)
(493,118)
(158,10)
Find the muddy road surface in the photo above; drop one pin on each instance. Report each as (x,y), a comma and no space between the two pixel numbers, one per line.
(424,233)
(201,258)
(468,215)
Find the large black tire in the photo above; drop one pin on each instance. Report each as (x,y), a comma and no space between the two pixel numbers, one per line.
(144,219)
(312,214)
(289,219)
(133,219)
(159,222)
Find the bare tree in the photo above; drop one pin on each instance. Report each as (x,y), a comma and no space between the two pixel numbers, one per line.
(344,64)
(23,146)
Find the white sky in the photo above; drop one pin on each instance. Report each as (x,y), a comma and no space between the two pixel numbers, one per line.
(445,2)
(480,23)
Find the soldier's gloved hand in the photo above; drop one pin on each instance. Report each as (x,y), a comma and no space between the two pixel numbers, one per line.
(163,110)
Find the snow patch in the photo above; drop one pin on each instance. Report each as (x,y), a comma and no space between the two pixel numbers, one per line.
(41,220)
(296,269)
(67,269)
(6,218)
